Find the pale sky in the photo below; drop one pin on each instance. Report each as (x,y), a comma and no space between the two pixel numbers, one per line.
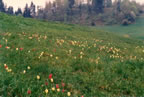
(22,3)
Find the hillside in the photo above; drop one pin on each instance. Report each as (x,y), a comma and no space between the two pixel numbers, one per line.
(135,30)
(53,59)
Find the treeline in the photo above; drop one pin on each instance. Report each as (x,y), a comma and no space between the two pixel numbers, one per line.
(88,12)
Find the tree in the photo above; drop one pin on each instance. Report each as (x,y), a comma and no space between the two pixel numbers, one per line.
(32,10)
(18,12)
(89,9)
(119,5)
(53,9)
(71,3)
(2,8)
(80,9)
(27,11)
(108,3)
(69,9)
(10,10)
(98,5)
(40,12)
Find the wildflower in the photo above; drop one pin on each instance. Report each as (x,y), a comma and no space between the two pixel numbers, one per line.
(29,92)
(70,51)
(53,88)
(9,70)
(57,58)
(0,46)
(51,80)
(46,91)
(45,37)
(63,84)
(24,71)
(6,66)
(54,50)
(63,90)
(50,76)
(41,53)
(28,67)
(58,90)
(6,40)
(68,93)
(30,37)
(17,49)
(81,53)
(94,45)
(38,77)
(51,55)
(21,49)
(81,57)
(57,86)
(46,83)
(75,57)
(7,47)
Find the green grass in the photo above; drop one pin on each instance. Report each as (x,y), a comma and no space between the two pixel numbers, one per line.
(90,62)
(135,30)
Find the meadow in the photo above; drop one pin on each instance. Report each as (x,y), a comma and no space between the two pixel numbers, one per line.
(135,30)
(52,59)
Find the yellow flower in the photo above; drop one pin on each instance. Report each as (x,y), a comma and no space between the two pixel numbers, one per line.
(51,55)
(81,53)
(41,53)
(28,67)
(51,80)
(6,40)
(81,57)
(38,77)
(46,91)
(9,70)
(70,51)
(24,71)
(58,90)
(17,49)
(53,89)
(5,64)
(30,37)
(68,93)
(75,57)
(57,58)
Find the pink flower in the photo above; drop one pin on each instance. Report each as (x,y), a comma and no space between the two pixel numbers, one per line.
(0,46)
(50,76)
(54,50)
(63,84)
(29,92)
(57,86)
(63,90)
(7,47)
(21,49)
(6,67)
(46,83)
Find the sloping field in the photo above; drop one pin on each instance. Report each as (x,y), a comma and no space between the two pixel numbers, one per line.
(50,59)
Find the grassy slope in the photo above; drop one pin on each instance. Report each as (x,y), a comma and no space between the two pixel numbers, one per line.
(91,62)
(135,30)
